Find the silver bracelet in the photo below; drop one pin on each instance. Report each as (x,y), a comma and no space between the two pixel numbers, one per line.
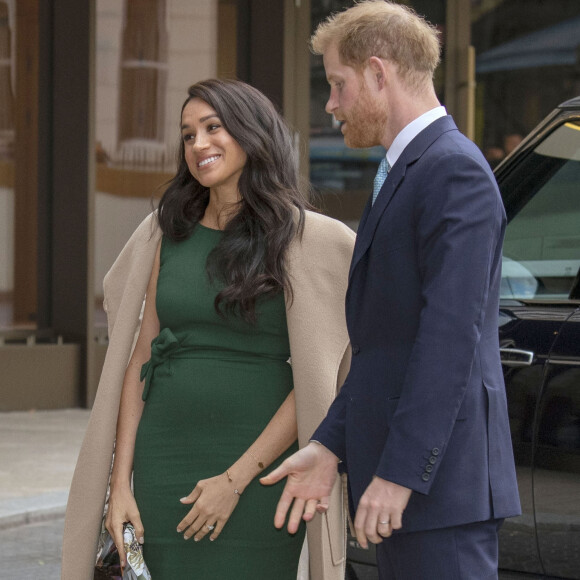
(236,490)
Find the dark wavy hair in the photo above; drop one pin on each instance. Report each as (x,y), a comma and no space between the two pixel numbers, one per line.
(250,258)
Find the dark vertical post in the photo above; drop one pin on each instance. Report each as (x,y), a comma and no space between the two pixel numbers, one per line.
(243,39)
(261,46)
(25,168)
(44,140)
(72,152)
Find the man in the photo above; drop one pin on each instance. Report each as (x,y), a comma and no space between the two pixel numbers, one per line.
(421,423)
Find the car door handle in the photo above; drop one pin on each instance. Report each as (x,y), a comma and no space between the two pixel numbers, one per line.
(514,357)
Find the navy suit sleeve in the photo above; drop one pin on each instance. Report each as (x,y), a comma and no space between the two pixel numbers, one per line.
(331,432)
(459,223)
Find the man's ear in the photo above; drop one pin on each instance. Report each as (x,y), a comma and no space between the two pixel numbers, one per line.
(378,71)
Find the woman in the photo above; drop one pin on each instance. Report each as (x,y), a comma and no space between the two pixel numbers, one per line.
(242,278)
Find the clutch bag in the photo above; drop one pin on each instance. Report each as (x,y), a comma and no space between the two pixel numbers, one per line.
(108,566)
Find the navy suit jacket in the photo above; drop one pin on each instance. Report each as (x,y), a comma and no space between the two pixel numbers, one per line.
(424,404)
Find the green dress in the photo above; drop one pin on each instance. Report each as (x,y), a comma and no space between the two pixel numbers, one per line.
(212,385)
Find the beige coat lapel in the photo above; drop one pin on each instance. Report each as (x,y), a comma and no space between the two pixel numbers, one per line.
(318,266)
(125,286)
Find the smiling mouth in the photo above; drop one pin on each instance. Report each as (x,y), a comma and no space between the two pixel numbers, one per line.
(208,160)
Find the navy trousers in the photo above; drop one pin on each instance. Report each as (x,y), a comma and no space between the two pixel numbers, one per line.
(468,552)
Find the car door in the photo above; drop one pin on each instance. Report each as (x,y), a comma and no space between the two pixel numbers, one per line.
(557,456)
(540,345)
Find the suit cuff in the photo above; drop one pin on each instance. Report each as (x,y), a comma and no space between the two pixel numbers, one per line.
(322,445)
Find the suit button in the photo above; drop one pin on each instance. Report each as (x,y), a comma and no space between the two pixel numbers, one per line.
(425,477)
(432,460)
(355,349)
(428,468)
(435,451)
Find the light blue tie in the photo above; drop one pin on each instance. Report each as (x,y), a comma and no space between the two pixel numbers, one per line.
(380,177)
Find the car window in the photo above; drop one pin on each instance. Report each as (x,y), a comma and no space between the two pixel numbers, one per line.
(541,257)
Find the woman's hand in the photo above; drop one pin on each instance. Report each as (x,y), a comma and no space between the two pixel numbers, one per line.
(123,508)
(213,500)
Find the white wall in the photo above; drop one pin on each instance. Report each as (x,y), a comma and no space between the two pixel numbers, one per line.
(191,57)
(115,220)
(108,40)
(192,54)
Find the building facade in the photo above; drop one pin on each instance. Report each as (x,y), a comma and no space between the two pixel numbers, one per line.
(90,98)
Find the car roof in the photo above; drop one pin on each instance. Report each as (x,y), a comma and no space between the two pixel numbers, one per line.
(570,104)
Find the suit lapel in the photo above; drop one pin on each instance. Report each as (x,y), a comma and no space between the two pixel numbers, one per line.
(372,213)
(395,181)
(365,214)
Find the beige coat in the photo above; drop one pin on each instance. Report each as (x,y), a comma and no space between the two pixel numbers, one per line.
(318,266)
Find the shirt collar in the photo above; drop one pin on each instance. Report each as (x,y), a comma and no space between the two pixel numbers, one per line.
(411,131)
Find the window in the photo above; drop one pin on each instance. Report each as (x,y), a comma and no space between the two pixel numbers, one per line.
(527,62)
(542,244)
(143,72)
(147,53)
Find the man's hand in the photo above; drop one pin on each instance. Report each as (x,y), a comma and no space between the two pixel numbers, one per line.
(311,475)
(380,511)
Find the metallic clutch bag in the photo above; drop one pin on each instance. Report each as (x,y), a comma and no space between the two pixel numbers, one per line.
(108,566)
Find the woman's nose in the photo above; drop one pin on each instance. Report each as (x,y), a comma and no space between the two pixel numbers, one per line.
(200,142)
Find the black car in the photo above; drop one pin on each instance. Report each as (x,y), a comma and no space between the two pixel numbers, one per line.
(539,333)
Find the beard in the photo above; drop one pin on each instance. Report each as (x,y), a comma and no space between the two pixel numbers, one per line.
(365,122)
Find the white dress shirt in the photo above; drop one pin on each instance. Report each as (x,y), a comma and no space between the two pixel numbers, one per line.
(411,131)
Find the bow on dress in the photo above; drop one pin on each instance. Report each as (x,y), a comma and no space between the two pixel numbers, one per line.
(161,348)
